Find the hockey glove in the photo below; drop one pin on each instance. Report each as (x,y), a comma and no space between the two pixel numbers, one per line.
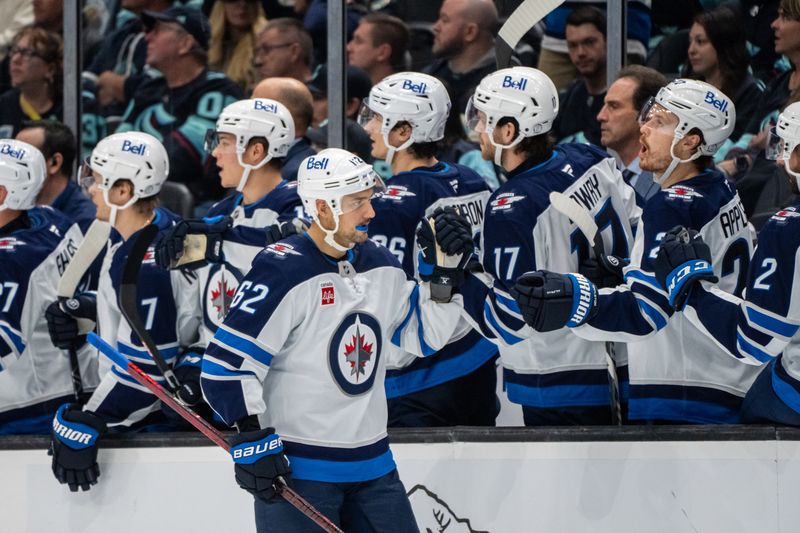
(606,271)
(63,320)
(259,460)
(683,260)
(550,301)
(190,244)
(445,247)
(281,230)
(73,445)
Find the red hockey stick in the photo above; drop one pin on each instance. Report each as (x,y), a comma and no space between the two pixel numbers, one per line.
(206,429)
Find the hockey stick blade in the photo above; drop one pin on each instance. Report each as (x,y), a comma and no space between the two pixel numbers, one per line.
(205,428)
(129,305)
(525,17)
(93,242)
(586,224)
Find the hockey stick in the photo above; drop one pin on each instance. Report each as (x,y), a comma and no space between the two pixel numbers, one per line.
(93,242)
(280,487)
(129,305)
(525,17)
(586,224)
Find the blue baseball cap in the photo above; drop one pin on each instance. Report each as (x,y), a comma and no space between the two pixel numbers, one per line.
(191,20)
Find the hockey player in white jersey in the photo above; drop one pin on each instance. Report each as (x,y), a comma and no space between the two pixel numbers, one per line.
(302,354)
(250,142)
(761,327)
(677,374)
(558,378)
(36,244)
(125,174)
(405,116)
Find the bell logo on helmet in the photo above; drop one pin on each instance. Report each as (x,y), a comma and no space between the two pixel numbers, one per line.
(263,106)
(7,149)
(720,103)
(317,164)
(128,146)
(418,88)
(508,81)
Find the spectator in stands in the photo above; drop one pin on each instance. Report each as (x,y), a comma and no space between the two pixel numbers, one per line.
(235,25)
(554,58)
(36,80)
(58,146)
(619,124)
(718,55)
(297,98)
(582,100)
(49,15)
(379,46)
(358,86)
(180,106)
(284,49)
(464,46)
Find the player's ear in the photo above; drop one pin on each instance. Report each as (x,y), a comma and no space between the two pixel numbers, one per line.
(3,194)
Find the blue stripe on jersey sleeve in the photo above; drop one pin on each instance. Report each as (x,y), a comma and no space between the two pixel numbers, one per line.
(142,353)
(211,368)
(655,315)
(507,336)
(413,310)
(227,338)
(507,302)
(749,348)
(13,336)
(769,323)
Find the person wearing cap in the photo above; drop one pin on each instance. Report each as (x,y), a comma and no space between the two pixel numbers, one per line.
(677,373)
(298,364)
(182,104)
(34,241)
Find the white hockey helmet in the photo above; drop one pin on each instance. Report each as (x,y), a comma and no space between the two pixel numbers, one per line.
(134,156)
(524,94)
(257,117)
(788,129)
(698,105)
(22,173)
(331,175)
(413,97)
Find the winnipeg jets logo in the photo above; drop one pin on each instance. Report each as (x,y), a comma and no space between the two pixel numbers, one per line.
(9,243)
(354,353)
(783,216)
(281,249)
(218,294)
(687,194)
(397,193)
(505,201)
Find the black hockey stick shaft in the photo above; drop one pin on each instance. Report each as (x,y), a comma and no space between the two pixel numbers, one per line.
(205,428)
(129,305)
(75,372)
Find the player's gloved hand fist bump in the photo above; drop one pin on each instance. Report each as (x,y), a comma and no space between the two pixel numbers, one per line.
(73,445)
(605,271)
(550,301)
(281,230)
(62,324)
(259,460)
(172,246)
(683,260)
(446,245)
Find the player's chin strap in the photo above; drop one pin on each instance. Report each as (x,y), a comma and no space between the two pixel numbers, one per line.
(393,149)
(112,218)
(498,148)
(248,168)
(329,233)
(661,178)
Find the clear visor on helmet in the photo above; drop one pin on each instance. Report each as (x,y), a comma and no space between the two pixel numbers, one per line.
(774,149)
(357,200)
(365,114)
(85,175)
(656,116)
(476,119)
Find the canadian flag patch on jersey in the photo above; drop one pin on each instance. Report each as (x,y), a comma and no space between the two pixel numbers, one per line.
(687,194)
(397,193)
(9,243)
(149,256)
(282,250)
(505,201)
(327,296)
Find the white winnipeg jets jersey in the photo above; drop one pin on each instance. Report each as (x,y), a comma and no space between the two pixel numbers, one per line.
(304,347)
(35,376)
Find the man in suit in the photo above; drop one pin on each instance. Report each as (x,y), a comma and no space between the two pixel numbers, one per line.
(619,124)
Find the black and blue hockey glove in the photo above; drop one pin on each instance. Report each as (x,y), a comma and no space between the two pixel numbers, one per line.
(445,247)
(683,260)
(550,301)
(73,445)
(605,271)
(281,230)
(63,320)
(190,244)
(259,461)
